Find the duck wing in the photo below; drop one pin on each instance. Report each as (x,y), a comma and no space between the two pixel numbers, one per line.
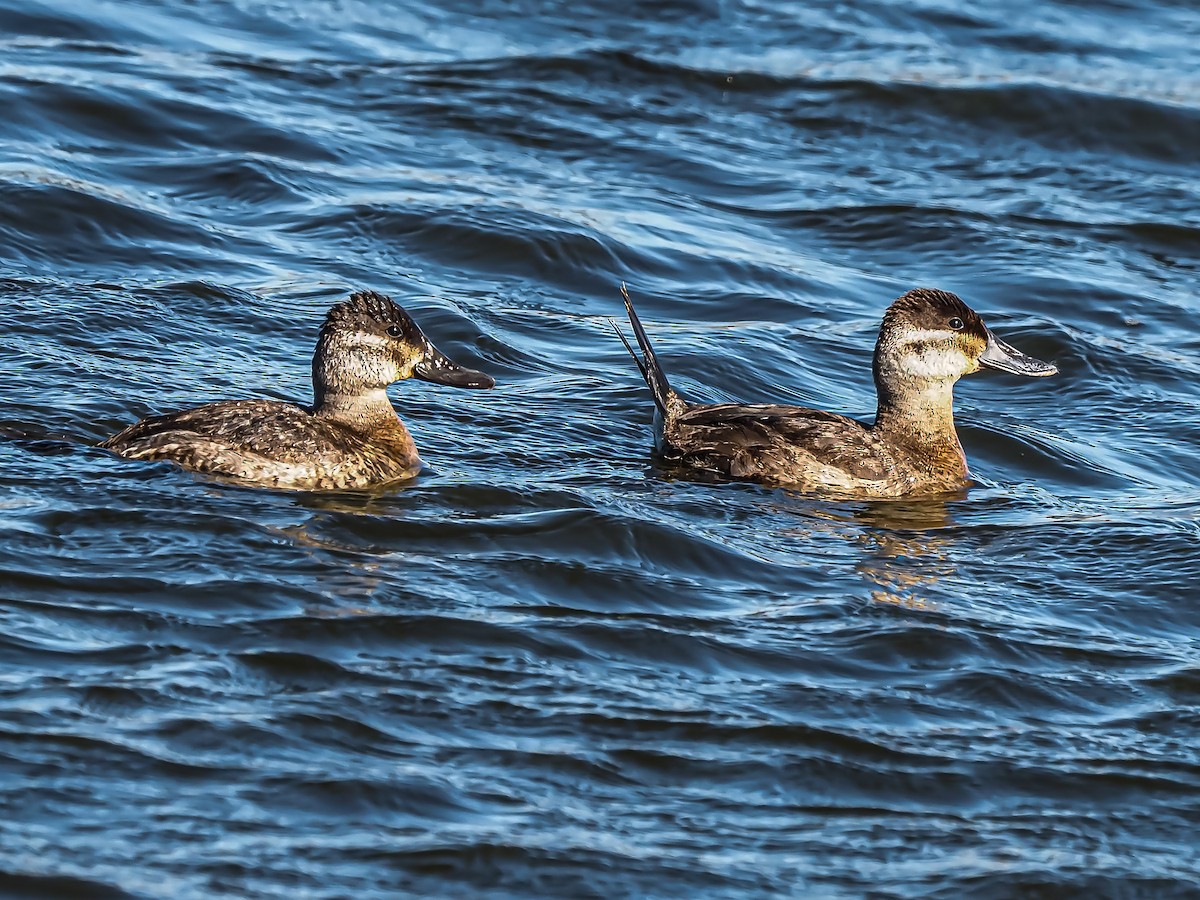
(777,444)
(266,442)
(264,427)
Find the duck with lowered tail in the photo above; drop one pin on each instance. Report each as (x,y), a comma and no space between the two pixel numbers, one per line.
(350,437)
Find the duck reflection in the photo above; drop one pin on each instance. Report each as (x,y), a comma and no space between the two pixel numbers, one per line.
(352,571)
(905,548)
(904,552)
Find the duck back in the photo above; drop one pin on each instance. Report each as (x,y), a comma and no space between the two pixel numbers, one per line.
(273,443)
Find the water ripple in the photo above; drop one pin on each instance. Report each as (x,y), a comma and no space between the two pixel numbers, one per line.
(547,667)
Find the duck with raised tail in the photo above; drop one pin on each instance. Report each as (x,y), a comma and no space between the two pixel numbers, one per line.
(928,340)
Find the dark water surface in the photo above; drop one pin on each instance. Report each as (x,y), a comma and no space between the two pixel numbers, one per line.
(543,669)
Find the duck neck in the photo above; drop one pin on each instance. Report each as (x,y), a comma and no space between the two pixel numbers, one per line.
(346,391)
(921,417)
(362,409)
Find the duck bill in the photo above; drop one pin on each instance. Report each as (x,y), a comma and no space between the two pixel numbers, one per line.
(440,369)
(1008,358)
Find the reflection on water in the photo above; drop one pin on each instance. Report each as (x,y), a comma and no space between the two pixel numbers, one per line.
(905,549)
(903,566)
(901,547)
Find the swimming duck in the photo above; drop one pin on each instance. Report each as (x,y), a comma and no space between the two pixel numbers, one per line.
(928,340)
(349,438)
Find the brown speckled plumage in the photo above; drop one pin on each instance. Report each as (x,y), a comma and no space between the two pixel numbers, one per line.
(349,438)
(928,339)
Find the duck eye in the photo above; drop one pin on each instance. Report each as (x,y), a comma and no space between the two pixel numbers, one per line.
(956,323)
(395,330)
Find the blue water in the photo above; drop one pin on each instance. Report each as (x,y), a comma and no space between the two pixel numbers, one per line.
(544,668)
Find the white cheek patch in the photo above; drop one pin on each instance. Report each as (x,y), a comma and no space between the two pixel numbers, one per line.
(935,364)
(926,335)
(364,340)
(932,355)
(371,358)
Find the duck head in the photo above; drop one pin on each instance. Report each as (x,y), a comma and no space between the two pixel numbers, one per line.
(930,337)
(367,342)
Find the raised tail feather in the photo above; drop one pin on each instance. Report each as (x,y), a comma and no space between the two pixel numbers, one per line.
(665,399)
